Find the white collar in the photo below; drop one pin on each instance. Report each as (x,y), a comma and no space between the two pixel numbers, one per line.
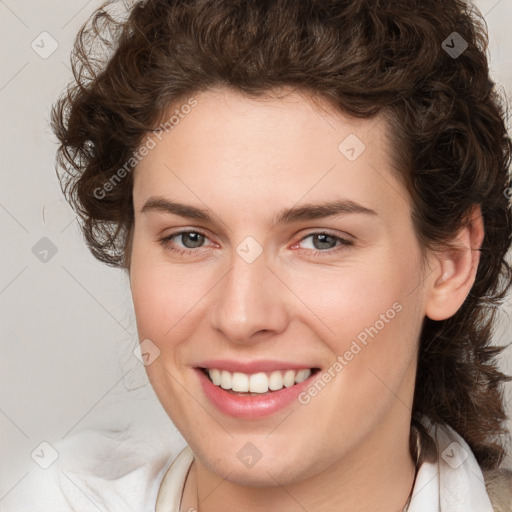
(452,484)
(173,482)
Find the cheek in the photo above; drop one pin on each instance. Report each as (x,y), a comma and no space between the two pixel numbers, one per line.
(347,300)
(168,298)
(157,293)
(369,314)
(161,300)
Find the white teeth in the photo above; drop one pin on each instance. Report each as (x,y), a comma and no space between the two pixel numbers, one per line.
(302,375)
(240,382)
(225,380)
(289,378)
(215,376)
(275,381)
(257,382)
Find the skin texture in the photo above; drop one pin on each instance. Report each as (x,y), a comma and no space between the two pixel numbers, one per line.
(244,160)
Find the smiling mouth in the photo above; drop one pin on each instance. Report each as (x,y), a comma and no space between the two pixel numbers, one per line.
(261,383)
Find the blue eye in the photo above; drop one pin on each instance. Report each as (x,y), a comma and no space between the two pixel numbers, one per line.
(327,238)
(196,240)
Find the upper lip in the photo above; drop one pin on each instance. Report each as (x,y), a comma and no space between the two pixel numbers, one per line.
(251,367)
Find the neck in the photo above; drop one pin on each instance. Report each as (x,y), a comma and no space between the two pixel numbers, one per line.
(376,476)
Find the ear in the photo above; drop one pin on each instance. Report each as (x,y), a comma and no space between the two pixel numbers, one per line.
(455,269)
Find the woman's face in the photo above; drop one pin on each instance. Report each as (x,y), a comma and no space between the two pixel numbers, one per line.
(269,278)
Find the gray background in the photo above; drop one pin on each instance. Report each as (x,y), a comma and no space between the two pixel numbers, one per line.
(67,324)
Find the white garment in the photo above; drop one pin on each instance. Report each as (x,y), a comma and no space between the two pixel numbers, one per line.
(103,473)
(455,482)
(96,471)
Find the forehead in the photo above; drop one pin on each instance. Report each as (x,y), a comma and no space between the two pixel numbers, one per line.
(231,145)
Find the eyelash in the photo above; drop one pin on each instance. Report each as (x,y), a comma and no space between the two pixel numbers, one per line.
(343,243)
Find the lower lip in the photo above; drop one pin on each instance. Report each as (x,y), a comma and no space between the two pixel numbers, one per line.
(251,406)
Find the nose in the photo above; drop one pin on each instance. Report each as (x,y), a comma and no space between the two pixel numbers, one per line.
(250,302)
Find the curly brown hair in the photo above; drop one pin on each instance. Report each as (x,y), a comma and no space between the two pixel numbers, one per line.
(364,57)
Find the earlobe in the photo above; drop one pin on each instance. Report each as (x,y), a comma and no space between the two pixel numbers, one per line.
(455,269)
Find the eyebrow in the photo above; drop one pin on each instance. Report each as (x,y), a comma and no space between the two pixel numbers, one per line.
(309,211)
